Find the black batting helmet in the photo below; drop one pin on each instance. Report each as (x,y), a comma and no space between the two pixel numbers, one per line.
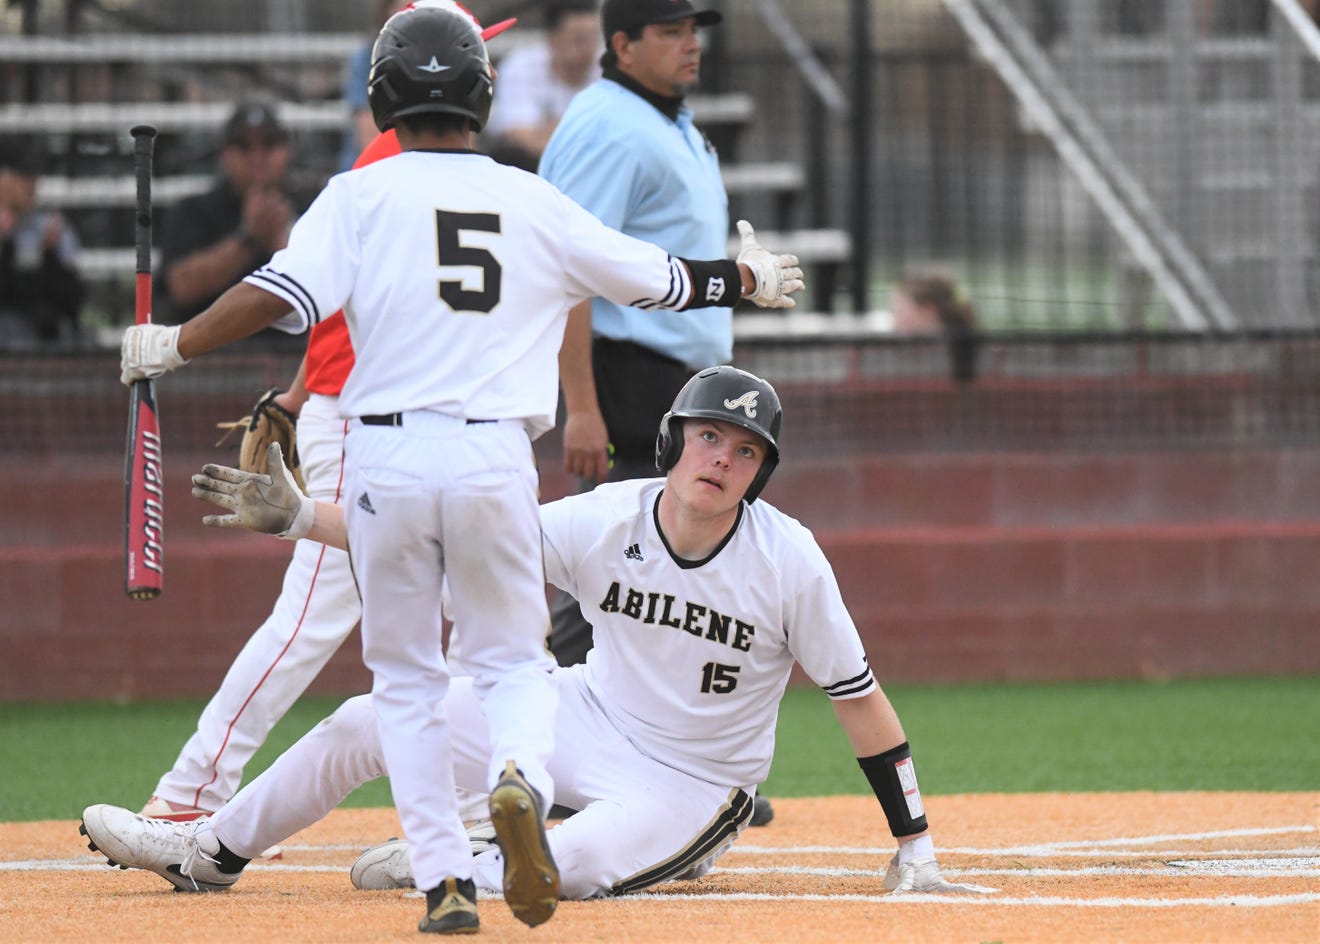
(731,395)
(430,58)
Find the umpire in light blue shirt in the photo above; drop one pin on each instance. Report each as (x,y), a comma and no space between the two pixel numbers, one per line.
(627,150)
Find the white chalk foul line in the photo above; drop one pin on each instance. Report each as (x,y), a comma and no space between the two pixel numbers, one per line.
(1243,901)
(1158,839)
(99,865)
(1226,901)
(1243,868)
(1073,848)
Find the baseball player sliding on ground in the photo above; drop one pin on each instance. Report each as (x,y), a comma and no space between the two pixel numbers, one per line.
(455,275)
(701,597)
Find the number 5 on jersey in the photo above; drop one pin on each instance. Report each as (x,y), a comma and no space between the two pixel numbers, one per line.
(451,251)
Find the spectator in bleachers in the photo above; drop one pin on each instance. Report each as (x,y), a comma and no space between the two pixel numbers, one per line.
(211,240)
(930,303)
(361,128)
(538,81)
(41,292)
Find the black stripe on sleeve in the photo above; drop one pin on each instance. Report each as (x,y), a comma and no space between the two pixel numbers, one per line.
(851,686)
(680,288)
(676,299)
(291,288)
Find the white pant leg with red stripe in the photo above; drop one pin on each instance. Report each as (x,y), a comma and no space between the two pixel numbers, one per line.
(316,610)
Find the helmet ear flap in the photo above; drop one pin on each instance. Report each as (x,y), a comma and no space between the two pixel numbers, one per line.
(768,465)
(668,443)
(383,97)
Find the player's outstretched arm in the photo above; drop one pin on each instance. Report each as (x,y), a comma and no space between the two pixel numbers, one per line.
(270,504)
(883,754)
(151,350)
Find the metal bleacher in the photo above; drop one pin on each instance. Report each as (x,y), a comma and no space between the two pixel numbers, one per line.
(1197,138)
(109,262)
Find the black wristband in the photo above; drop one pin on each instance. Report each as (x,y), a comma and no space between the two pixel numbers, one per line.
(894,781)
(715,284)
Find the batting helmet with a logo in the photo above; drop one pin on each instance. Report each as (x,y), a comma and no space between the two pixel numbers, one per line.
(734,396)
(431,57)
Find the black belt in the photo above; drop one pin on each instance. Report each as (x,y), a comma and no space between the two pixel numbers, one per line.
(396,419)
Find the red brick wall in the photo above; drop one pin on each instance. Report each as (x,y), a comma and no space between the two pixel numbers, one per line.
(955,568)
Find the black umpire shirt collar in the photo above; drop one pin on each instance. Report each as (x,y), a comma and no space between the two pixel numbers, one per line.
(664,104)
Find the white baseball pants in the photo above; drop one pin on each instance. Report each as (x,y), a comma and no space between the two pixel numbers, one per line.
(432,498)
(642,822)
(316,610)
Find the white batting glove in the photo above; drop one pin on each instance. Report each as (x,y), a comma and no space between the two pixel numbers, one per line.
(147,351)
(271,504)
(777,275)
(924,875)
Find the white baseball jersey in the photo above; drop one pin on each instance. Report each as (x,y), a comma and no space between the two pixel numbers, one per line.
(456,274)
(691,658)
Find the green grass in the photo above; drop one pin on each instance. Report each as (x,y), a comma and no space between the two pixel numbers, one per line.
(1219,734)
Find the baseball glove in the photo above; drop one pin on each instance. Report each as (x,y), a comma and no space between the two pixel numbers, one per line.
(268,423)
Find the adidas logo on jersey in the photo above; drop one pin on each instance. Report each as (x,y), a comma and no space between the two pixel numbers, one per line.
(634,552)
(365,504)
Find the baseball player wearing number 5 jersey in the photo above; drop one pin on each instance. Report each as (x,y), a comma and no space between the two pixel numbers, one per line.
(702,598)
(455,275)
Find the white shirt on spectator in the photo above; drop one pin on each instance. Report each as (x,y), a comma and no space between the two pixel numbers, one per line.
(530,94)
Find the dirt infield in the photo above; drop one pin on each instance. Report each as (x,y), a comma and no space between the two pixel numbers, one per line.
(1139,867)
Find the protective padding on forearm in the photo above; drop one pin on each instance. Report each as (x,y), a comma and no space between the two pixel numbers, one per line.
(894,780)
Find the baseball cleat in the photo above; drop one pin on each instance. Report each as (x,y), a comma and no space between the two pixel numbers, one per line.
(158,808)
(181,853)
(482,837)
(531,879)
(451,908)
(762,811)
(389,865)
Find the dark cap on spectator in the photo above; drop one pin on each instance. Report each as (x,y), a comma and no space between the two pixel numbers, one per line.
(254,117)
(628,15)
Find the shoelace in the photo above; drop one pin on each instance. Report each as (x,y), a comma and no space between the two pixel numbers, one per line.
(170,832)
